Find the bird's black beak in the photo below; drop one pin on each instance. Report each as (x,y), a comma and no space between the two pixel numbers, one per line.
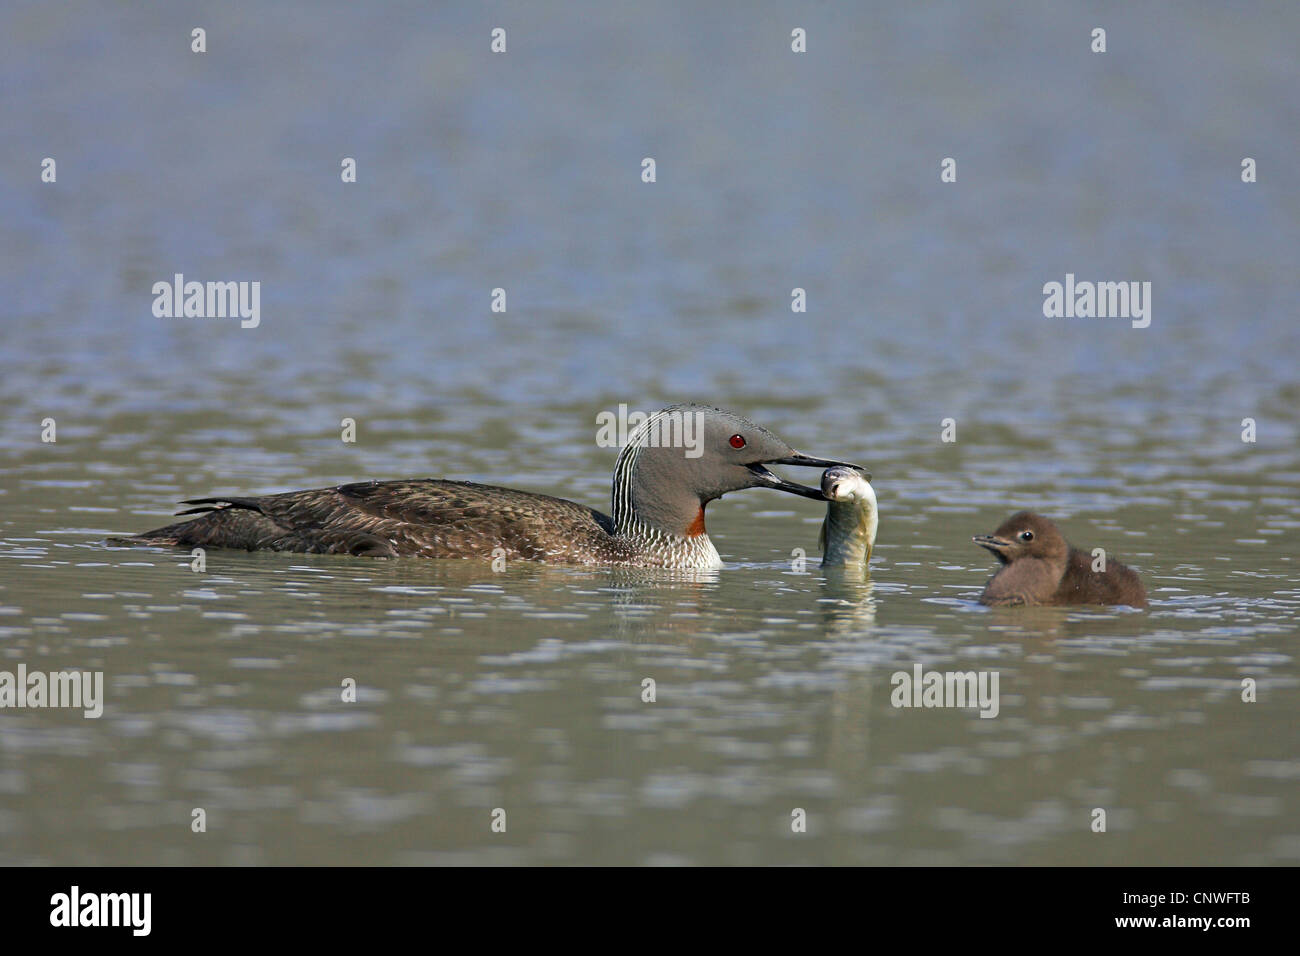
(768,480)
(999,546)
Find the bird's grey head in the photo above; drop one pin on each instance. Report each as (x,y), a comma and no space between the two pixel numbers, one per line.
(685,456)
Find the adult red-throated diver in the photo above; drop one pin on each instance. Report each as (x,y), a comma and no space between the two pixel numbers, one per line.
(660,492)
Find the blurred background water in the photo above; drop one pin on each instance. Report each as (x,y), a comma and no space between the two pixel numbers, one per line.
(774,171)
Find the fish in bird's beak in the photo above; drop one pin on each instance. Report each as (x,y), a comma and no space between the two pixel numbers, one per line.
(770,480)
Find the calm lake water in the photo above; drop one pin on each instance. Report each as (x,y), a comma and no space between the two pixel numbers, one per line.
(522,690)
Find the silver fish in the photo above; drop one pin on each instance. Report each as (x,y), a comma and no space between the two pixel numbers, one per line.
(849,531)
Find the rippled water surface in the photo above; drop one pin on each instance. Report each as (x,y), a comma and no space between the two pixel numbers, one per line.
(522,690)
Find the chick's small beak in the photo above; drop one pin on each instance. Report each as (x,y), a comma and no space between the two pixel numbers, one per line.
(992,542)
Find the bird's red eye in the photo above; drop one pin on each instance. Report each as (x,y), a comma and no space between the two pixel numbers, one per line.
(737,441)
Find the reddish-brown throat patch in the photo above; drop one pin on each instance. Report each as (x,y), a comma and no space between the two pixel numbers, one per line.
(696,527)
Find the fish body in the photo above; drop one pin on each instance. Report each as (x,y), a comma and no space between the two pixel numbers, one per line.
(848,532)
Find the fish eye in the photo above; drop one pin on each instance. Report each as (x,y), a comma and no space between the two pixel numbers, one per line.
(1026,536)
(737,441)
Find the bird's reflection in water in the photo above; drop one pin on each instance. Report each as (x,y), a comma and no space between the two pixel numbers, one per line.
(647,603)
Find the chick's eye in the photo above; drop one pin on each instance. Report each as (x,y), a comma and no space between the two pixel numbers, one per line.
(737,441)
(1026,536)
